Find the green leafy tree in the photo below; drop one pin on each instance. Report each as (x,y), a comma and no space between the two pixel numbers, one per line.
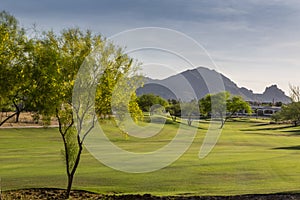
(174,109)
(190,110)
(14,49)
(291,111)
(117,65)
(236,104)
(215,105)
(39,74)
(222,105)
(146,101)
(56,60)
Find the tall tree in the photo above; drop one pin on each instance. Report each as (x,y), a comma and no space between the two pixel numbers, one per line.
(14,47)
(56,61)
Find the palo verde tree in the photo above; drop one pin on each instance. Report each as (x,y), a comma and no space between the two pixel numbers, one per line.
(14,47)
(56,60)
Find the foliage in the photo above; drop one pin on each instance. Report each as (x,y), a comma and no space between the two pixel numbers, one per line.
(146,101)
(39,74)
(190,110)
(223,105)
(174,109)
(14,48)
(236,104)
(291,111)
(215,105)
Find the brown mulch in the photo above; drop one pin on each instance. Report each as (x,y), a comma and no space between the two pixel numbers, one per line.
(51,194)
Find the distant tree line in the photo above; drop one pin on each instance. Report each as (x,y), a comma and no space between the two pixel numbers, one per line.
(222,105)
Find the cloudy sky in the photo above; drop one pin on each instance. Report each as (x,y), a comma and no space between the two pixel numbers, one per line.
(255,43)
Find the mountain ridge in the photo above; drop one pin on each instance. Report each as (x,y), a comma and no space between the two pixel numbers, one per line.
(198,82)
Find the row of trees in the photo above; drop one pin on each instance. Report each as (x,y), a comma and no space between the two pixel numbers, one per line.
(38,74)
(221,105)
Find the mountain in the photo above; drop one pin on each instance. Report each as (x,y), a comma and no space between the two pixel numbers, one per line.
(196,83)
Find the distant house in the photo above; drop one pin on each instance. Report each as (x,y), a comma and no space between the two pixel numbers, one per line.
(265,110)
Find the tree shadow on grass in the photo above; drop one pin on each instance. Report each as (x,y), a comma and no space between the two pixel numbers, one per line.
(260,124)
(288,148)
(292,132)
(268,128)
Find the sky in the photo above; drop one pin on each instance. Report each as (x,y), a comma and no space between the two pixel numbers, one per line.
(255,43)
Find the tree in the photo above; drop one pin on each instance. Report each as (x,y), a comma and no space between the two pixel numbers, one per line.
(215,105)
(117,66)
(55,64)
(14,49)
(146,101)
(190,110)
(223,105)
(174,109)
(291,111)
(236,104)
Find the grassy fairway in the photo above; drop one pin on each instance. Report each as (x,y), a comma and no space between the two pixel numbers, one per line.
(250,157)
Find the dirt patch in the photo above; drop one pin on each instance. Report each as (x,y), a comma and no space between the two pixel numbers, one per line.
(51,194)
(26,119)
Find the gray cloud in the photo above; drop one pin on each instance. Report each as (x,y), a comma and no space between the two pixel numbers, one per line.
(232,30)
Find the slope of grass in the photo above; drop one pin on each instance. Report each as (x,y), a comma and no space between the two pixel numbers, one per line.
(251,156)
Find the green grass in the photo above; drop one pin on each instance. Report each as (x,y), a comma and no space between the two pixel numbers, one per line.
(250,157)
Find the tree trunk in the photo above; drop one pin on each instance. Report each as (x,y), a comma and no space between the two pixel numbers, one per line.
(18,111)
(69,187)
(222,120)
(17,116)
(295,123)
(189,120)
(73,170)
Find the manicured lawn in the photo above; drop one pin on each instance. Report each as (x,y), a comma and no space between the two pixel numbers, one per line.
(250,157)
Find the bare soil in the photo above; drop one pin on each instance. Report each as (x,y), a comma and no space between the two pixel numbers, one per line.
(26,119)
(51,194)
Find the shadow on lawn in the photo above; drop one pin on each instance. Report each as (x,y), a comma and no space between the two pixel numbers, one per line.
(293,132)
(268,128)
(288,148)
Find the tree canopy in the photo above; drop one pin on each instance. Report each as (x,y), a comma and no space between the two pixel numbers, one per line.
(223,105)
(39,75)
(291,111)
(146,101)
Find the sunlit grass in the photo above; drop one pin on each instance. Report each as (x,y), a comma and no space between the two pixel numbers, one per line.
(251,156)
